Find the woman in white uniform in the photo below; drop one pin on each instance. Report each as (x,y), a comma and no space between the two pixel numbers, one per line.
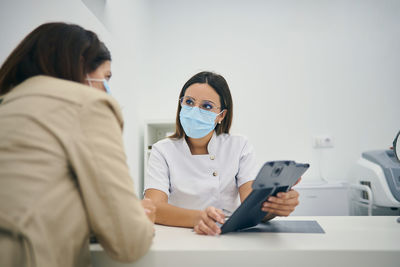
(202,172)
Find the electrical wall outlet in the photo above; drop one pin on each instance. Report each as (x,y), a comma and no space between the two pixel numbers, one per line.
(323,141)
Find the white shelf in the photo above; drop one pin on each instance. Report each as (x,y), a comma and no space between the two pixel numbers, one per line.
(154,131)
(323,199)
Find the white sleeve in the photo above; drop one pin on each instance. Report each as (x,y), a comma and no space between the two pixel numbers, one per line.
(157,172)
(247,165)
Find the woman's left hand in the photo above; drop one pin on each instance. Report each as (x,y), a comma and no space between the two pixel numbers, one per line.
(283,204)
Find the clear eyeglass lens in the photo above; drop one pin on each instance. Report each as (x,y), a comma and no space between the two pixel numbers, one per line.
(186,101)
(207,105)
(204,105)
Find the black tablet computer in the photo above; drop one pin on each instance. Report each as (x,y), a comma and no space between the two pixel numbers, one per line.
(273,177)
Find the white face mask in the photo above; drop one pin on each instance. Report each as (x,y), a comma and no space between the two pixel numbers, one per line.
(104,81)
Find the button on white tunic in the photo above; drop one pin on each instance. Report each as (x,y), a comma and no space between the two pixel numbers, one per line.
(199,181)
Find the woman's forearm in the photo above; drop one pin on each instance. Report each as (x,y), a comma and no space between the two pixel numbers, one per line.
(167,214)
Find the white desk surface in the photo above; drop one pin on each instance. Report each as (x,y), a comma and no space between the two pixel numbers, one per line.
(348,241)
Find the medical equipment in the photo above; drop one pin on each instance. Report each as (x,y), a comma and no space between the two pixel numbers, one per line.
(396,146)
(376,181)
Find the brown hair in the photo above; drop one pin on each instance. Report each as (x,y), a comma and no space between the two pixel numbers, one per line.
(60,50)
(219,84)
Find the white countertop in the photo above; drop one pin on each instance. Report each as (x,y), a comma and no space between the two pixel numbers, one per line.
(348,241)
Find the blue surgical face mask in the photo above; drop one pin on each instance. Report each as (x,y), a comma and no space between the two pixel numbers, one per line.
(197,123)
(105,84)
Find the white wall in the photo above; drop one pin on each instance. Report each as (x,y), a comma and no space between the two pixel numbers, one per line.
(295,68)
(19,17)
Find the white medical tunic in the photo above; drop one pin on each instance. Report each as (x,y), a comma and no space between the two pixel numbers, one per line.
(198,181)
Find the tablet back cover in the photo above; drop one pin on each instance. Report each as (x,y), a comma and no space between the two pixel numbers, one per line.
(273,177)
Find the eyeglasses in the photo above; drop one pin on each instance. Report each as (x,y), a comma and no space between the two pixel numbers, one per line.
(203,105)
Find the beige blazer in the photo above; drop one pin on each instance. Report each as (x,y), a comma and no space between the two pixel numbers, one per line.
(63,174)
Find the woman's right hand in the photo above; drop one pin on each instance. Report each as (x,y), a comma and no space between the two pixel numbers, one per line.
(206,224)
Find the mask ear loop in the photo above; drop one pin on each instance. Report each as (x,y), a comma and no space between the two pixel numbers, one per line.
(88,79)
(220,114)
